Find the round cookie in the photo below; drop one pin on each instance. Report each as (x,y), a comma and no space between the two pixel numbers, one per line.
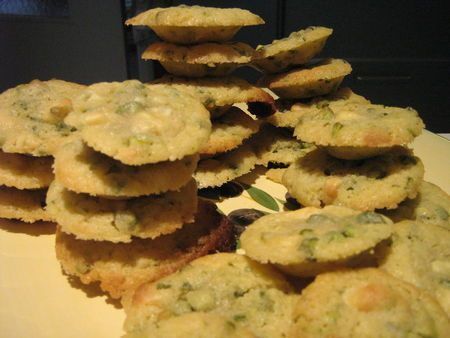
(248,294)
(290,112)
(350,129)
(122,267)
(366,303)
(104,176)
(217,95)
(99,219)
(193,24)
(207,59)
(25,172)
(32,115)
(375,183)
(420,255)
(215,171)
(318,79)
(149,124)
(296,49)
(25,205)
(431,206)
(275,145)
(229,131)
(309,241)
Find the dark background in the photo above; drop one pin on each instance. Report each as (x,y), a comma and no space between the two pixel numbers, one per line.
(399,50)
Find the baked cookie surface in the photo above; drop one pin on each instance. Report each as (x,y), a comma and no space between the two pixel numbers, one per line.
(248,294)
(314,80)
(221,93)
(104,176)
(150,123)
(375,183)
(193,24)
(367,303)
(215,171)
(122,267)
(420,255)
(431,206)
(100,219)
(208,59)
(25,172)
(296,49)
(229,131)
(32,116)
(309,241)
(25,205)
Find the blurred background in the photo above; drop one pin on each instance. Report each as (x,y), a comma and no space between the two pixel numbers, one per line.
(399,50)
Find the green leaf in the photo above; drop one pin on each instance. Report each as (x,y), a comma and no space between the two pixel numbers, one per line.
(262,198)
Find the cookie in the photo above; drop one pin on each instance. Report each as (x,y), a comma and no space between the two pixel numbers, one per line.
(193,24)
(122,267)
(314,80)
(352,130)
(215,171)
(25,172)
(275,174)
(309,241)
(248,294)
(276,145)
(420,255)
(375,183)
(229,131)
(207,59)
(367,303)
(100,219)
(32,116)
(25,205)
(217,95)
(289,112)
(296,49)
(150,123)
(103,176)
(431,206)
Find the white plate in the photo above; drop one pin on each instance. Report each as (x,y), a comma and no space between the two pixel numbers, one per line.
(38,301)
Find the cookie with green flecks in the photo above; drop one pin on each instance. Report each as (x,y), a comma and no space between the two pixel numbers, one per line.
(229,131)
(194,24)
(248,294)
(309,241)
(431,206)
(25,172)
(420,254)
(32,116)
(375,183)
(296,49)
(104,176)
(95,218)
(25,205)
(351,129)
(366,303)
(313,80)
(149,123)
(207,59)
(276,145)
(290,112)
(217,170)
(218,94)
(122,267)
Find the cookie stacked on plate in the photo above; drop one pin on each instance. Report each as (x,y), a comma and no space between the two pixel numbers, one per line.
(123,195)
(197,51)
(31,127)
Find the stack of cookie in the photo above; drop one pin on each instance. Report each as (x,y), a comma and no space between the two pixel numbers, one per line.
(197,50)
(31,128)
(123,196)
